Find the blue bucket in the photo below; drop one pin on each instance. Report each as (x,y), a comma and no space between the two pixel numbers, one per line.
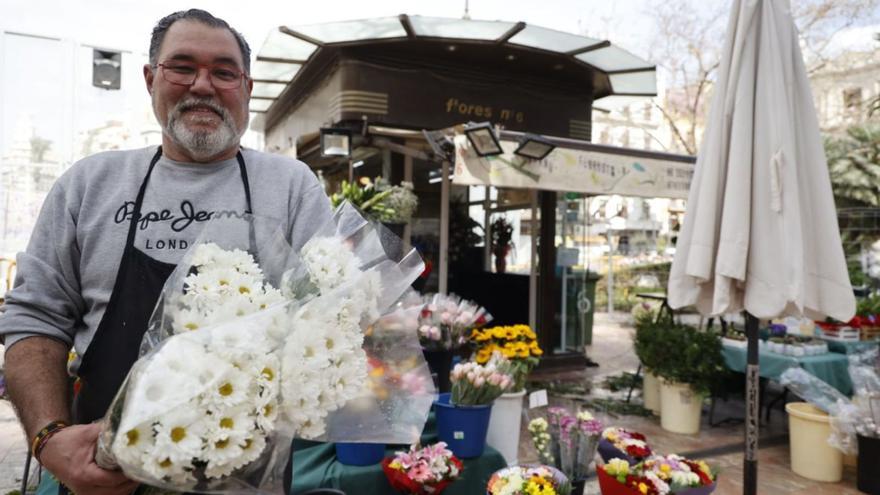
(463,428)
(360,454)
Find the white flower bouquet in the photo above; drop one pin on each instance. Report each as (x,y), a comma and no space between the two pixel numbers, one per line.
(253,343)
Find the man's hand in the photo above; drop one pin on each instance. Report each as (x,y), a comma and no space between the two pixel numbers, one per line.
(70,456)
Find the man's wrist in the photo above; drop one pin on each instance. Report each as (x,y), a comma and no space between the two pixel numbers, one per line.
(42,437)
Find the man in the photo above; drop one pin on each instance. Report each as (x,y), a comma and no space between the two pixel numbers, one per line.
(113,227)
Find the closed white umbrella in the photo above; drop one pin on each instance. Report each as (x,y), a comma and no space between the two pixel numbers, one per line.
(760,233)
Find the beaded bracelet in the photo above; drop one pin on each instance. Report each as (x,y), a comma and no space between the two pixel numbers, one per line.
(44,435)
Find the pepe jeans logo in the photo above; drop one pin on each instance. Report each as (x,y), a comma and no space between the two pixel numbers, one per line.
(178,221)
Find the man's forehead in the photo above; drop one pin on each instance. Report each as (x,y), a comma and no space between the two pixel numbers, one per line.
(192,40)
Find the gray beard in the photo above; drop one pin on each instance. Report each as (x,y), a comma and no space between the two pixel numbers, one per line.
(202,145)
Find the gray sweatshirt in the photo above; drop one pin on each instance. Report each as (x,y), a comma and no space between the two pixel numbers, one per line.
(65,277)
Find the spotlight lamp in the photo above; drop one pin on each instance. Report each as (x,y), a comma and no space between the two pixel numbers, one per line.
(335,142)
(534,147)
(483,139)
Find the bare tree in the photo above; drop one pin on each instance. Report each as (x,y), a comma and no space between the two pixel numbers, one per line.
(689,38)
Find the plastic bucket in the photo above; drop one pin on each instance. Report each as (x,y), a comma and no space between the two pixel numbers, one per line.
(504,425)
(463,428)
(360,454)
(868,479)
(811,456)
(651,392)
(680,408)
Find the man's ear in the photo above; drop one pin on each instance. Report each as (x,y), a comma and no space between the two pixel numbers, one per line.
(148,77)
(250,86)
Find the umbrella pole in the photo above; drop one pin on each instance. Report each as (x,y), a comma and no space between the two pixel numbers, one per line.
(750,466)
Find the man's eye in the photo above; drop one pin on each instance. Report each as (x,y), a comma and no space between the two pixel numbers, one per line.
(225,74)
(182,69)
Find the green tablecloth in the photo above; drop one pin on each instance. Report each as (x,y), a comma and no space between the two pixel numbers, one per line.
(315,465)
(832,367)
(852,347)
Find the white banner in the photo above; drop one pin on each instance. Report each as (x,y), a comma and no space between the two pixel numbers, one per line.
(566,169)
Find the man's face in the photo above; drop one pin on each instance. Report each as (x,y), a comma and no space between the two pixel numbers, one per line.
(200,122)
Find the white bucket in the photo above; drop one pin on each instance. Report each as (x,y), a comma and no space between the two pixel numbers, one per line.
(680,408)
(808,432)
(651,392)
(504,425)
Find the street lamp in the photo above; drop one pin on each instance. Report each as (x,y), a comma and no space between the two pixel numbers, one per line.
(483,139)
(534,147)
(336,141)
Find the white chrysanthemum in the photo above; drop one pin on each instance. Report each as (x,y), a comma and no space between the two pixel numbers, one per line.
(180,433)
(132,447)
(329,262)
(234,421)
(266,413)
(221,452)
(231,389)
(187,320)
(161,467)
(252,447)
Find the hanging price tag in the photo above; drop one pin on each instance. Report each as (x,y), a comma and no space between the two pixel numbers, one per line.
(538,398)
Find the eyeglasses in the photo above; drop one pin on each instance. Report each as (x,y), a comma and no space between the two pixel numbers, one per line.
(185,74)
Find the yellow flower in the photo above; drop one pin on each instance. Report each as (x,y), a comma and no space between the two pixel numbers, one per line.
(483,355)
(365,181)
(536,351)
(508,352)
(643,487)
(511,333)
(499,332)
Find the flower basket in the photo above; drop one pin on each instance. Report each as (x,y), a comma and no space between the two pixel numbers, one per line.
(610,486)
(614,440)
(608,451)
(422,471)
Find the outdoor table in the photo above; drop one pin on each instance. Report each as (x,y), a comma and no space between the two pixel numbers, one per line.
(831,367)
(315,466)
(851,347)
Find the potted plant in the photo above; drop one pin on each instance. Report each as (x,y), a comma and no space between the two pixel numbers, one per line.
(502,240)
(378,199)
(518,344)
(463,415)
(687,376)
(567,442)
(650,350)
(422,471)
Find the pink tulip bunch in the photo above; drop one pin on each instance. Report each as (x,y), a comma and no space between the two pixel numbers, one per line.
(475,384)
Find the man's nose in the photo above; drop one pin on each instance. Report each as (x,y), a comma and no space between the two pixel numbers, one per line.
(202,85)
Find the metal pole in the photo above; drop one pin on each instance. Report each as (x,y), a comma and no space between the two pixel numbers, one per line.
(444,229)
(350,170)
(564,315)
(533,262)
(407,177)
(750,464)
(610,274)
(753,410)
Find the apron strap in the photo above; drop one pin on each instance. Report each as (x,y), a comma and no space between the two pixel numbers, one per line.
(139,201)
(244,179)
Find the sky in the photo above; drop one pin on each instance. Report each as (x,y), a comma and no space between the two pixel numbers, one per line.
(126,25)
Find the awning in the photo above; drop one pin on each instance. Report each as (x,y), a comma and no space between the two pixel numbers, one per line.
(577,166)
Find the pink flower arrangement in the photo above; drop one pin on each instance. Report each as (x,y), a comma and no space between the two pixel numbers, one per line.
(422,471)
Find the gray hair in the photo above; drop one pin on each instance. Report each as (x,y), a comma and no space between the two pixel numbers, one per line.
(198,16)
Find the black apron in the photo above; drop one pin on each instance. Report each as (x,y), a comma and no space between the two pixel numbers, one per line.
(115,346)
